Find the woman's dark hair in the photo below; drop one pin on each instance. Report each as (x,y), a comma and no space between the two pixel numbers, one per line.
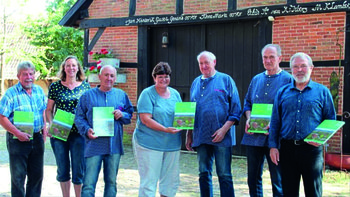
(162,68)
(62,73)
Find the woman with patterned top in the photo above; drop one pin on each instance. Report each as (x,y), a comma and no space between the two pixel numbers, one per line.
(64,94)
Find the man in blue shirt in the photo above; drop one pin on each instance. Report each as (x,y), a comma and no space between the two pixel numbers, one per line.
(218,109)
(26,151)
(263,89)
(299,108)
(103,149)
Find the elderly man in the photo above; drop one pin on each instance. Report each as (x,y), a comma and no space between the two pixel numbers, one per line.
(26,151)
(299,108)
(106,150)
(263,89)
(218,108)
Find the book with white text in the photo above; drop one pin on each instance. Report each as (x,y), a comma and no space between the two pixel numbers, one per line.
(324,131)
(260,117)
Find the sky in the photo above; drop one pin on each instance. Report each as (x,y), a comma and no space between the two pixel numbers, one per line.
(18,9)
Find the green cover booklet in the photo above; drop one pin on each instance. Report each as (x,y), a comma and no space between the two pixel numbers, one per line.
(324,131)
(103,121)
(260,117)
(62,124)
(184,115)
(24,121)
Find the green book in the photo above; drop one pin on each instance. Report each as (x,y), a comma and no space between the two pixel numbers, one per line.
(324,131)
(62,124)
(184,115)
(103,121)
(260,117)
(24,121)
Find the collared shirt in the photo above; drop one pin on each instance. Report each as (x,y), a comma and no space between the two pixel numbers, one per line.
(67,99)
(94,97)
(17,99)
(162,110)
(217,102)
(297,113)
(262,89)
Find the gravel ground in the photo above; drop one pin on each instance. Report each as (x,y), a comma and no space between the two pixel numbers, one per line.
(128,178)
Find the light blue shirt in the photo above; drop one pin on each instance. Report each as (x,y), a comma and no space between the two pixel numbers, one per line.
(262,89)
(94,97)
(217,102)
(297,113)
(17,99)
(162,110)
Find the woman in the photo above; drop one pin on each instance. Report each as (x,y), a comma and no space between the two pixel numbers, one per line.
(64,94)
(156,143)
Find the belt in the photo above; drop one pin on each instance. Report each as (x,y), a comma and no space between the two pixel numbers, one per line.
(295,142)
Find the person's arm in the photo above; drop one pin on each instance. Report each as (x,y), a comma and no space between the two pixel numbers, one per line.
(45,132)
(124,114)
(247,123)
(274,155)
(189,140)
(8,126)
(49,113)
(81,117)
(219,134)
(147,120)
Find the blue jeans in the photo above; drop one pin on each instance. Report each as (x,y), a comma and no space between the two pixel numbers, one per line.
(255,158)
(26,159)
(298,161)
(223,157)
(110,171)
(74,146)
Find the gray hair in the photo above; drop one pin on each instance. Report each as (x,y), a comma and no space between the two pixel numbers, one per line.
(276,46)
(303,56)
(208,54)
(108,66)
(24,65)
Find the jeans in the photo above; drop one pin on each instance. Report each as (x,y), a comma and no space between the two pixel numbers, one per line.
(154,166)
(26,159)
(298,161)
(110,170)
(255,158)
(223,157)
(75,147)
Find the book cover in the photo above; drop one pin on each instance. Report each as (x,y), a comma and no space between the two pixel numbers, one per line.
(260,117)
(24,121)
(324,131)
(62,124)
(184,115)
(103,121)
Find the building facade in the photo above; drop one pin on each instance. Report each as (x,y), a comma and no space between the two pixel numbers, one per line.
(143,32)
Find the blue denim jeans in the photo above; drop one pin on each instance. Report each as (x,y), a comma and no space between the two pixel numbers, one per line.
(223,157)
(110,170)
(298,161)
(74,146)
(255,158)
(26,159)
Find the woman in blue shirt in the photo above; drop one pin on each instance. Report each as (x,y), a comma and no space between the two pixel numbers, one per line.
(64,94)
(156,143)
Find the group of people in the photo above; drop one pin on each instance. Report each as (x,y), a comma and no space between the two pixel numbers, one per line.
(79,159)
(299,105)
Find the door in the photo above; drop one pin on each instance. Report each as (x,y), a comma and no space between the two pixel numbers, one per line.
(237,47)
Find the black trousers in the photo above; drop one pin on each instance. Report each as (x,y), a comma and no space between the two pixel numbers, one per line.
(301,160)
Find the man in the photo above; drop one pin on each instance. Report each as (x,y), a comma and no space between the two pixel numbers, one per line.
(299,108)
(218,108)
(26,151)
(263,89)
(106,150)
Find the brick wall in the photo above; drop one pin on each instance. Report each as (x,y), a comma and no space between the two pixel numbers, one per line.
(200,6)
(241,4)
(158,7)
(315,34)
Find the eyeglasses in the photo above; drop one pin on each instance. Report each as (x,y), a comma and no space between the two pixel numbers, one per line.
(298,67)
